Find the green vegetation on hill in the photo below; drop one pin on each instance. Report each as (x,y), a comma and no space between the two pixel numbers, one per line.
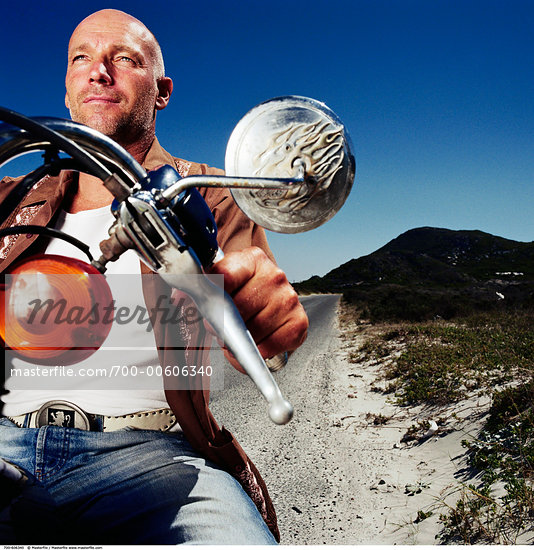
(429,272)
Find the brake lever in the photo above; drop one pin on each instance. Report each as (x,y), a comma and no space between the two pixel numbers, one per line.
(175,235)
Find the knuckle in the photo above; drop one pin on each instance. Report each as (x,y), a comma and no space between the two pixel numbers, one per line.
(304,335)
(292,300)
(298,331)
(257,251)
(257,254)
(280,279)
(302,328)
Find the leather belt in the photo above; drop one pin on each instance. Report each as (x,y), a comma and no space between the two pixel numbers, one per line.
(69,415)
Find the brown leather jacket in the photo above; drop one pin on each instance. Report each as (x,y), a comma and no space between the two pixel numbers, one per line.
(191,404)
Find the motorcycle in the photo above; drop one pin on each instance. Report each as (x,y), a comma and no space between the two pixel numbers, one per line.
(289,165)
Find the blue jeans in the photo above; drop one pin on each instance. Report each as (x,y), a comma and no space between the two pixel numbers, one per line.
(133,487)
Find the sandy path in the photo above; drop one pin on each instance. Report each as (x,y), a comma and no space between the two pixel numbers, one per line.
(335,476)
(390,479)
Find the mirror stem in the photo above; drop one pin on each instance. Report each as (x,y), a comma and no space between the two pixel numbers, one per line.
(230,182)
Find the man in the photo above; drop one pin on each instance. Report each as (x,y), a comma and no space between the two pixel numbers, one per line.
(145,485)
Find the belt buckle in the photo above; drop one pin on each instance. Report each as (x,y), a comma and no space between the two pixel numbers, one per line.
(63,414)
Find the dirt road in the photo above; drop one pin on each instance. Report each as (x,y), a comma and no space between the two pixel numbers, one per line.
(318,478)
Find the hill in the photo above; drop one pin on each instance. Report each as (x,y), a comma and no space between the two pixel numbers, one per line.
(428,272)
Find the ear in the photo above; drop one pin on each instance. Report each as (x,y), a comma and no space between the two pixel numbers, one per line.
(67,103)
(164,92)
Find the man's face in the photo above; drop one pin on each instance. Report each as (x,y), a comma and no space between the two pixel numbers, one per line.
(112,77)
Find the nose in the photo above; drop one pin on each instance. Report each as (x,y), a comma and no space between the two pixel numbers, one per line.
(100,73)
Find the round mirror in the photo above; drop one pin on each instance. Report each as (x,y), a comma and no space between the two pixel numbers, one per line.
(291,137)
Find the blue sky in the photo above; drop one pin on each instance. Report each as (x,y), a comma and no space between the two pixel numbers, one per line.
(438,97)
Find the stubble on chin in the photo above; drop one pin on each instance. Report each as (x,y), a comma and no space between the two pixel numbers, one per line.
(120,127)
(102,122)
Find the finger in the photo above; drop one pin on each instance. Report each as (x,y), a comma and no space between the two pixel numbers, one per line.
(239,267)
(269,289)
(178,297)
(287,337)
(282,309)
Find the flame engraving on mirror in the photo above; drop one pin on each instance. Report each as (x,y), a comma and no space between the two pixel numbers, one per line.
(314,151)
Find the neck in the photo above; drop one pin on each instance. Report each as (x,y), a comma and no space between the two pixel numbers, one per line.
(91,193)
(140,147)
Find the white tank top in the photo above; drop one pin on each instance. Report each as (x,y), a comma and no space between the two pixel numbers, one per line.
(125,394)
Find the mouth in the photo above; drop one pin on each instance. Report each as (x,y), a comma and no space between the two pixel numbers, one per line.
(105,100)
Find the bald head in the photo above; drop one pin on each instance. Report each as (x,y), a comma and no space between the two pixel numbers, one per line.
(124,22)
(115,77)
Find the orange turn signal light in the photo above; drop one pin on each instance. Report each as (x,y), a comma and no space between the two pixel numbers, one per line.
(55,310)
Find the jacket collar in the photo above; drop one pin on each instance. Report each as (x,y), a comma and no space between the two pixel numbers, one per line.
(157,156)
(50,189)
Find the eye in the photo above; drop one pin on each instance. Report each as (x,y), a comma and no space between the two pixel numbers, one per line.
(125,59)
(79,57)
